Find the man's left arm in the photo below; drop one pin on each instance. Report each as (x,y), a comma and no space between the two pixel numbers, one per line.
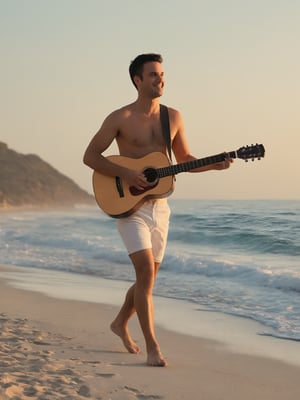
(181,149)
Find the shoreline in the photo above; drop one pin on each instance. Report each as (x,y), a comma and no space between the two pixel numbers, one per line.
(55,347)
(237,334)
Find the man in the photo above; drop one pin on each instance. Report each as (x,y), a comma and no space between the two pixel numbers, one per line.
(137,130)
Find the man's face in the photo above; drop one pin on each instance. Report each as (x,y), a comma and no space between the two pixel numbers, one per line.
(153,81)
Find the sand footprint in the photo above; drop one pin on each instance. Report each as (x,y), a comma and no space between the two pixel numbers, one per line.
(142,396)
(105,375)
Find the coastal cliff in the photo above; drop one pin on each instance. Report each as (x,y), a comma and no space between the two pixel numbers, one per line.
(28,181)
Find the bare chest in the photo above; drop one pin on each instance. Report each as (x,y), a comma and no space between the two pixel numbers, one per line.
(140,135)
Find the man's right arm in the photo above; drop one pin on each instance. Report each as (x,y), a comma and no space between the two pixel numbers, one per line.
(94,159)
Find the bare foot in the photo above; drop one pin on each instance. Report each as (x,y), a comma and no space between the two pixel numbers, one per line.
(123,333)
(156,359)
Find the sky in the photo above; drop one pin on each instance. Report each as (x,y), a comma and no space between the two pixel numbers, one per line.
(231,67)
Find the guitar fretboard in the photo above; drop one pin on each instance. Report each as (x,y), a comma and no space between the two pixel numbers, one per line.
(189,165)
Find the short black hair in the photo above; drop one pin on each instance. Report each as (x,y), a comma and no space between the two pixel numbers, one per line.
(137,65)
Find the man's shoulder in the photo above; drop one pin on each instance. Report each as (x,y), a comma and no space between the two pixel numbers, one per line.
(127,111)
(122,112)
(174,114)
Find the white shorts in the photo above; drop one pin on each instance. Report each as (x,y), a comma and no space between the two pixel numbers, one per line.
(147,228)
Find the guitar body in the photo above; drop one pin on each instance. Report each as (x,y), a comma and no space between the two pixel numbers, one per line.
(117,199)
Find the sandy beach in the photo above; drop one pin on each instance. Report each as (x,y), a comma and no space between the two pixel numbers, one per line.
(60,348)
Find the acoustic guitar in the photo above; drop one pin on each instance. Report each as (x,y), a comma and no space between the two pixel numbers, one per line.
(118,200)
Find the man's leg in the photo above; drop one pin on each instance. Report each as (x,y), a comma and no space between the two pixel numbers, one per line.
(143,261)
(143,302)
(120,324)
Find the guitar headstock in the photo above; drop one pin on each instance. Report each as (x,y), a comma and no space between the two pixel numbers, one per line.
(251,152)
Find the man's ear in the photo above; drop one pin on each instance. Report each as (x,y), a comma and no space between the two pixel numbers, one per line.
(137,79)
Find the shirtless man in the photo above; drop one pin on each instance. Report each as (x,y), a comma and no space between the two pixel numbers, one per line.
(137,130)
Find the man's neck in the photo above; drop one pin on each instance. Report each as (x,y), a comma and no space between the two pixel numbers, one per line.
(147,106)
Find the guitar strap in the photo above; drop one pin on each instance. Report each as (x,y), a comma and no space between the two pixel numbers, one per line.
(165,122)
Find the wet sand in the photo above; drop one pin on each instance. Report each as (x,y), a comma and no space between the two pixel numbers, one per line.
(56,348)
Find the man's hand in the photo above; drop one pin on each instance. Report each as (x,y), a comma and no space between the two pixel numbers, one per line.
(136,179)
(224,164)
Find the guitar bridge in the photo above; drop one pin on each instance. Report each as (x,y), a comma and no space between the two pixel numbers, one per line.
(119,186)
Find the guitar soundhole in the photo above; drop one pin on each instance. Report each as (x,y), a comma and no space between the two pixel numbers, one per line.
(152,178)
(150,174)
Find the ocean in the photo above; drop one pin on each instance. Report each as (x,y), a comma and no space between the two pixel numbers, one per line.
(240,258)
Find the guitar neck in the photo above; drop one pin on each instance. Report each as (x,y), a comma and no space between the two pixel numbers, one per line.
(189,165)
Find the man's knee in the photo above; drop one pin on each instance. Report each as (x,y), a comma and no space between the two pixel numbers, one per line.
(142,258)
(144,269)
